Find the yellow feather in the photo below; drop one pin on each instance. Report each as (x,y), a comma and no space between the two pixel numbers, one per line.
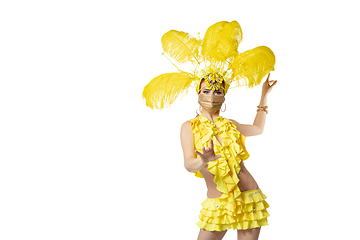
(221,41)
(210,40)
(250,67)
(163,90)
(180,46)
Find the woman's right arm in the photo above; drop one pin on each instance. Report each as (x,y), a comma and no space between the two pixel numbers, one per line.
(187,142)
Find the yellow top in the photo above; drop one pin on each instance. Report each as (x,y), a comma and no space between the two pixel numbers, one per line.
(232,152)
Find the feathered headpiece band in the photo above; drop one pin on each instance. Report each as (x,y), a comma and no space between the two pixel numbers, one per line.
(214,59)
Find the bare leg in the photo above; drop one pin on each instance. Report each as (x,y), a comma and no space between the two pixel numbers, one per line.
(211,235)
(249,234)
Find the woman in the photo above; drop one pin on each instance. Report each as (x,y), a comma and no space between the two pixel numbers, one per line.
(246,182)
(214,147)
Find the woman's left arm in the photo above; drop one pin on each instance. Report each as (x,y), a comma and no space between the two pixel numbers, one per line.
(260,118)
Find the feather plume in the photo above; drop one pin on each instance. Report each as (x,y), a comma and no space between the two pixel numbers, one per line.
(180,46)
(251,66)
(210,40)
(163,90)
(221,41)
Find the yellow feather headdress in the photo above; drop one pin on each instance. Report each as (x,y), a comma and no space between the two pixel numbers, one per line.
(214,59)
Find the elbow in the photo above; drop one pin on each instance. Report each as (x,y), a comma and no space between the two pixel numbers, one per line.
(253,130)
(259,130)
(186,167)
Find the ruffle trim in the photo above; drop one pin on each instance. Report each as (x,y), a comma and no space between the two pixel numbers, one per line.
(232,150)
(251,212)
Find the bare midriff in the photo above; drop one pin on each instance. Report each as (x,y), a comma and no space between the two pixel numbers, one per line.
(246,183)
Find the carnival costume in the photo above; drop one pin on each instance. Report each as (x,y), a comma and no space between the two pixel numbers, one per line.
(216,60)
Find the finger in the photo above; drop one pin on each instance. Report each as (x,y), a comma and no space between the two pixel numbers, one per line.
(268,77)
(211,144)
(198,153)
(216,157)
(273,84)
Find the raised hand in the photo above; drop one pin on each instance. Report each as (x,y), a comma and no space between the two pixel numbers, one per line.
(208,154)
(266,85)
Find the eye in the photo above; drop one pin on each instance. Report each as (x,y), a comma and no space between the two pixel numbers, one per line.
(205,91)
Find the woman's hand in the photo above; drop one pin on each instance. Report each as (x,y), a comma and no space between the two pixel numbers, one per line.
(267,87)
(208,155)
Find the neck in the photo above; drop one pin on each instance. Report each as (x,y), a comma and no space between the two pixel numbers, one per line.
(209,115)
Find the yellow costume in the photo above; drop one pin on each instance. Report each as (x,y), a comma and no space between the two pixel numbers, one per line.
(234,209)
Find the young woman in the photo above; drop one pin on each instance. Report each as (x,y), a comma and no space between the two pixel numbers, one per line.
(238,203)
(214,147)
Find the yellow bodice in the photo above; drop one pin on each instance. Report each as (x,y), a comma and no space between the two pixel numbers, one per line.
(232,152)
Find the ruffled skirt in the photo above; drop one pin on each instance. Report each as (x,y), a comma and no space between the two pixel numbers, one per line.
(251,213)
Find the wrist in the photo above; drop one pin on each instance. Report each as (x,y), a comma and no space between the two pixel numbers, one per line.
(203,161)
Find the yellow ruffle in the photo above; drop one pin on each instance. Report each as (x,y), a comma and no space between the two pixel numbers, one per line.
(251,213)
(233,149)
(230,210)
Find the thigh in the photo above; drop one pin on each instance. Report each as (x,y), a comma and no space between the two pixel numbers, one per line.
(249,234)
(211,235)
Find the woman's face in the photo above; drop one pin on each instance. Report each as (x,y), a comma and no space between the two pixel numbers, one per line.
(210,100)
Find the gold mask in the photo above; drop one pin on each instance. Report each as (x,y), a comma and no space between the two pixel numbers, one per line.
(211,103)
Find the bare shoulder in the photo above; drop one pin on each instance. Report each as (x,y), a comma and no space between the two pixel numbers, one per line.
(247,130)
(186,125)
(186,128)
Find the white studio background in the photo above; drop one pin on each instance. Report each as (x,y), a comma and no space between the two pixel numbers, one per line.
(82,157)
